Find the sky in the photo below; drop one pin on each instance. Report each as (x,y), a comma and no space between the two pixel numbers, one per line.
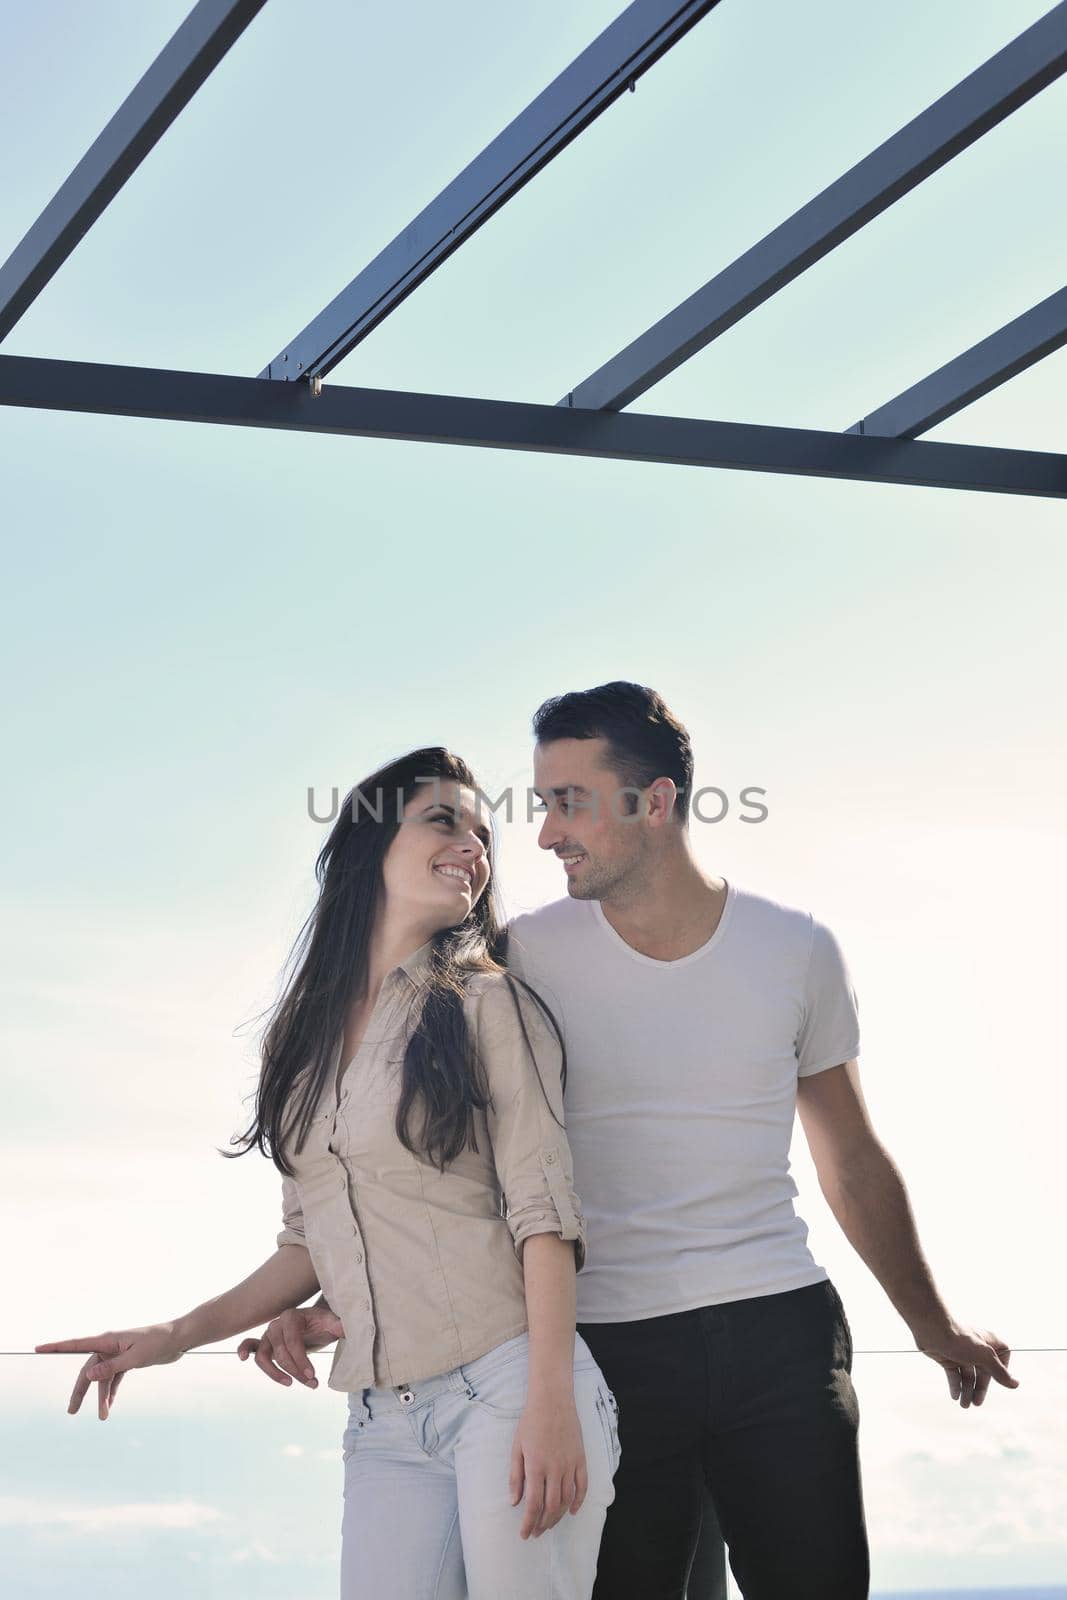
(201,624)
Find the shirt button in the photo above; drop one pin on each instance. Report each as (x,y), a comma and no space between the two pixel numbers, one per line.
(366,1305)
(550,1156)
(359,1255)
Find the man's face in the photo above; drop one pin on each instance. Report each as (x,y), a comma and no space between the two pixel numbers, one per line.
(587,818)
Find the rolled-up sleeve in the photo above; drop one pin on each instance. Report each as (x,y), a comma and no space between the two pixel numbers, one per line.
(530,1147)
(292,1215)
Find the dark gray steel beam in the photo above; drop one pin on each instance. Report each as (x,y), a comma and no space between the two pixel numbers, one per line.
(144,116)
(511,425)
(604,70)
(976,104)
(991,362)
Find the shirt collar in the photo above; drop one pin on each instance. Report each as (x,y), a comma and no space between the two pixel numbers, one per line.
(416,965)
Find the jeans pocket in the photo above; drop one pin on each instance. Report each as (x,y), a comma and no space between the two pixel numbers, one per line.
(845,1328)
(352,1435)
(608,1411)
(499,1388)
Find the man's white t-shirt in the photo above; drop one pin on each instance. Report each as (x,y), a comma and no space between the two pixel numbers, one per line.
(681,1094)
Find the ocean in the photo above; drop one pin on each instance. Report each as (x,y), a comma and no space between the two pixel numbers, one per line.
(1018,1593)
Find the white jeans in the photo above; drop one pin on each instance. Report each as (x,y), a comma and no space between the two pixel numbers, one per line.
(427,1511)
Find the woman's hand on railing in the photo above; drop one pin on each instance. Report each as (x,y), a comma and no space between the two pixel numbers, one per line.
(281,1350)
(111,1355)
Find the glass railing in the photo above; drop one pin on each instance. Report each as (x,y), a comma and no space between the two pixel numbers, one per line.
(209,1480)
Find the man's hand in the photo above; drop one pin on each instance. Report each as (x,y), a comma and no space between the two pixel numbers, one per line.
(287,1340)
(971,1357)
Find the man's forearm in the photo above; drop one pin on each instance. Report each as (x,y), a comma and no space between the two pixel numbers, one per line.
(872,1208)
(285,1280)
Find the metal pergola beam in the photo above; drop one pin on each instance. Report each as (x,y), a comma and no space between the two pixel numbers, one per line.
(511,425)
(604,70)
(140,122)
(988,95)
(982,368)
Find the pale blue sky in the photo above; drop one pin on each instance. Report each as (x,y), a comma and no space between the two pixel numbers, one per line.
(202,622)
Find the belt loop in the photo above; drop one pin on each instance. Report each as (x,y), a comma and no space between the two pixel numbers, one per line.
(462,1381)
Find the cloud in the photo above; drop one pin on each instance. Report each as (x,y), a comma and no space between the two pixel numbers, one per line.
(24,1511)
(987,1504)
(256,1551)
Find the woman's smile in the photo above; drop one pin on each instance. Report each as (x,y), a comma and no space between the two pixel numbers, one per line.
(461,875)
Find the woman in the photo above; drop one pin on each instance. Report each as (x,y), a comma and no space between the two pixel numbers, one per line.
(445,1243)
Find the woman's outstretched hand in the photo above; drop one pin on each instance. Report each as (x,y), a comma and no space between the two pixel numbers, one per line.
(111,1355)
(281,1350)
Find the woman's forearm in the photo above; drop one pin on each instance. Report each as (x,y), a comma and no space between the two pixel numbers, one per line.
(285,1280)
(548,1274)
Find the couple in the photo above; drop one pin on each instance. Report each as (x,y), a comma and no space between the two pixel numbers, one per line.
(524,1424)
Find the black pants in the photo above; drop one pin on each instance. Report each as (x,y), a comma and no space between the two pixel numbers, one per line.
(753,1402)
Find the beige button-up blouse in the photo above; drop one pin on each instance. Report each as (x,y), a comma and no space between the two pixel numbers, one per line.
(424,1268)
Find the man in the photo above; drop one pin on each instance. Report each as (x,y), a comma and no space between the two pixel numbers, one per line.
(698,1018)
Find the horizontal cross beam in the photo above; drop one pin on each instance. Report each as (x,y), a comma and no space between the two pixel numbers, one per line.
(513,425)
(604,70)
(140,122)
(982,368)
(976,104)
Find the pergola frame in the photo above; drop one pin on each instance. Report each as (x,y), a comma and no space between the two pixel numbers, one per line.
(883,447)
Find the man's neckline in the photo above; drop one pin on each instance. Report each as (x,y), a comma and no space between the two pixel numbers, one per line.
(680,961)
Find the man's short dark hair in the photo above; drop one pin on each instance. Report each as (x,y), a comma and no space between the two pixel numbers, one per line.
(645,740)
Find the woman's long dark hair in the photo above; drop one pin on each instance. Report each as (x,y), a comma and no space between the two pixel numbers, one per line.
(441,1068)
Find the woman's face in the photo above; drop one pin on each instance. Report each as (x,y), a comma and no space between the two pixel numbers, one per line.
(437,865)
